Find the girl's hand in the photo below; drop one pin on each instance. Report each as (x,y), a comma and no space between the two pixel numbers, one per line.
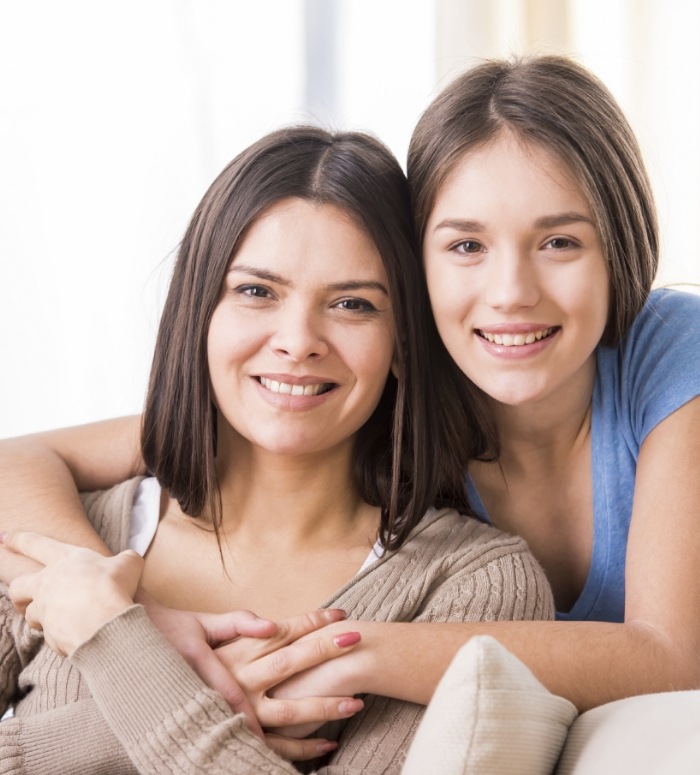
(259,665)
(76,593)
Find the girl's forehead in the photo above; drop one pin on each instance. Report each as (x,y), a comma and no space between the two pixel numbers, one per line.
(509,167)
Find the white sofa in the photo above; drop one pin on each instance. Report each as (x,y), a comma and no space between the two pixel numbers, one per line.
(491,716)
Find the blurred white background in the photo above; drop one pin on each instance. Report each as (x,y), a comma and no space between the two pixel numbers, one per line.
(115,117)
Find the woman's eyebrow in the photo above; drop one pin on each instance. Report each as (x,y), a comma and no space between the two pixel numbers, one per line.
(263,274)
(346,285)
(359,285)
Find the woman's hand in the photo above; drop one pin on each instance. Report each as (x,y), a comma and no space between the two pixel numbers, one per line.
(76,593)
(299,645)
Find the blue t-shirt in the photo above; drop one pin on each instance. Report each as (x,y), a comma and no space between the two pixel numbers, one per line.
(653,372)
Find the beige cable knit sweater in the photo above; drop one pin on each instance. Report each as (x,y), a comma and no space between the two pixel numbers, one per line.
(126,702)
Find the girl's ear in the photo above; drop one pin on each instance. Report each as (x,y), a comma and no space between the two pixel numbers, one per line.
(395,364)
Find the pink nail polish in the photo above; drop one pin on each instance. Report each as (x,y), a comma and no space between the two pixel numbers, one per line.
(326,747)
(347,639)
(350,707)
(335,614)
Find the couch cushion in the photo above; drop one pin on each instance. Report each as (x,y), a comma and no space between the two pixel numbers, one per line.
(489,715)
(655,734)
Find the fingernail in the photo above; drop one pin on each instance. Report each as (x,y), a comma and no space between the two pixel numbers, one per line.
(347,639)
(326,747)
(334,614)
(350,707)
(3,536)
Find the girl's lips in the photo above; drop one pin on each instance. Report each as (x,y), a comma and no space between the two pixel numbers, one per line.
(514,346)
(516,336)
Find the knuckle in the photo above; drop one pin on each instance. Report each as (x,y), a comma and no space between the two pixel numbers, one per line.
(313,620)
(319,648)
(285,713)
(235,697)
(279,661)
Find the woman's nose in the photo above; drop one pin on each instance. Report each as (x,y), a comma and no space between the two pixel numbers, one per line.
(299,334)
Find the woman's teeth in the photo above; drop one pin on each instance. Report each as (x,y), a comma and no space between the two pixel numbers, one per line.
(517,340)
(294,390)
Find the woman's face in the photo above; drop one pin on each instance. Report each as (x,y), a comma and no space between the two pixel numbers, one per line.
(301,342)
(516,273)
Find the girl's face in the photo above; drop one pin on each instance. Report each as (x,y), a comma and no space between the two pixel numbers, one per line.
(300,344)
(516,273)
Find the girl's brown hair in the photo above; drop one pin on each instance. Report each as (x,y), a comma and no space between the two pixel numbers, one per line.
(561,106)
(409,455)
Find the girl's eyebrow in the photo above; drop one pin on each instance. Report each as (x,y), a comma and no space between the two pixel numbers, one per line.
(460,224)
(347,285)
(562,219)
(545,222)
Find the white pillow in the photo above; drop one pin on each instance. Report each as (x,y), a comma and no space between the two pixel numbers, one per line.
(489,716)
(655,734)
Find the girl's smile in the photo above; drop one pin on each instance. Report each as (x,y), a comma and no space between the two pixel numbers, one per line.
(517,277)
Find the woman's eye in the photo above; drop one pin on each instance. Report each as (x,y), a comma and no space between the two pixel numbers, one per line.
(467,247)
(255,291)
(560,243)
(356,305)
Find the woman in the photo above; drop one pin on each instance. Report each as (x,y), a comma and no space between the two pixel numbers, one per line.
(288,461)
(540,246)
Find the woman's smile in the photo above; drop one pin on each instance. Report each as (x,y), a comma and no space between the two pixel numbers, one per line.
(301,342)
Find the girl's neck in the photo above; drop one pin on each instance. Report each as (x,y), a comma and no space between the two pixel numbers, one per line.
(549,430)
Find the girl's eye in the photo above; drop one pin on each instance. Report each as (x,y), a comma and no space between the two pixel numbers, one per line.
(467,247)
(560,243)
(356,305)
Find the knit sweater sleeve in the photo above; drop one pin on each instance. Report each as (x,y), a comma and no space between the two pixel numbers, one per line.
(18,645)
(165,717)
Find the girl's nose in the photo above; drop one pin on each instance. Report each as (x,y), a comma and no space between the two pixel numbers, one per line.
(512,281)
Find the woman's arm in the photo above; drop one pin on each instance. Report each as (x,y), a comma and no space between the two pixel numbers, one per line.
(589,663)
(154,704)
(42,474)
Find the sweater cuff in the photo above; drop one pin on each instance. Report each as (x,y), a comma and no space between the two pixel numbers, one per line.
(139,680)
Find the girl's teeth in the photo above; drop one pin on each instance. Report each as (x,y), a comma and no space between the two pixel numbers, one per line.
(517,340)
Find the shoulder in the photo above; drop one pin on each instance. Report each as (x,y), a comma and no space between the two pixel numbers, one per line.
(451,568)
(656,367)
(667,312)
(464,560)
(446,532)
(110,512)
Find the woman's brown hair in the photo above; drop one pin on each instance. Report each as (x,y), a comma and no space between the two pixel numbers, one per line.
(409,455)
(561,106)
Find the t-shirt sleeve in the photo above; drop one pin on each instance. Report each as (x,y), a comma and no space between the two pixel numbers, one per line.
(660,361)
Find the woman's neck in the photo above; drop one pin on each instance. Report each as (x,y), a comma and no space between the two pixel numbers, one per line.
(294,530)
(302,500)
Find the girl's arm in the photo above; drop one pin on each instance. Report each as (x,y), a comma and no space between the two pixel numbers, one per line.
(42,474)
(589,663)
